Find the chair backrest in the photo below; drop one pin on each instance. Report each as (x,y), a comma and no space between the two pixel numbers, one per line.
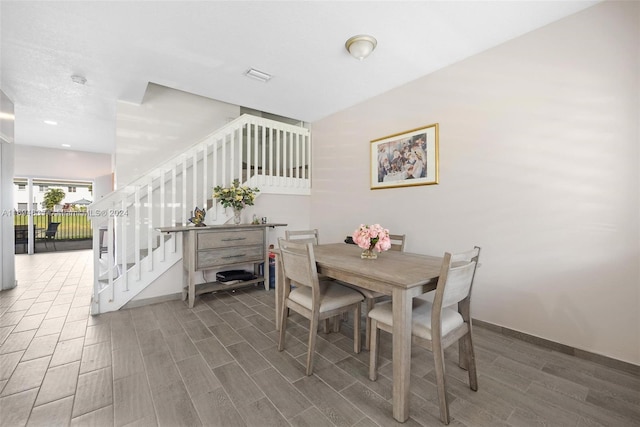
(397,242)
(302,236)
(456,278)
(299,264)
(52,229)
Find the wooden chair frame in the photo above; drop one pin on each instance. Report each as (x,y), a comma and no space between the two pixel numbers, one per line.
(302,236)
(299,266)
(439,342)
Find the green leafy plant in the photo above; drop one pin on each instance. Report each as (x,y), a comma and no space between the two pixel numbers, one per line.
(52,197)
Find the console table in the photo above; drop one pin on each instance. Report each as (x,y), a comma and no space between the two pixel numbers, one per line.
(219,247)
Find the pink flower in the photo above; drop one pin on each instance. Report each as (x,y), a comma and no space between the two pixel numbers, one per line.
(373,237)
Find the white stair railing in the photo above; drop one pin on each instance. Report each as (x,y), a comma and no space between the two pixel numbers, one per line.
(129,254)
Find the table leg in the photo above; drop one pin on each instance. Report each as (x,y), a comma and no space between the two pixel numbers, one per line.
(401,353)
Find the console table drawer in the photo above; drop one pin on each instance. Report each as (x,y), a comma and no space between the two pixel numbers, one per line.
(226,238)
(225,256)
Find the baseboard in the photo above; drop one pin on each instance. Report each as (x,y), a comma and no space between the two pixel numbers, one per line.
(154,300)
(562,348)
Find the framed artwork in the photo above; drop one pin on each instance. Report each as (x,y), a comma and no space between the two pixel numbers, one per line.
(405,159)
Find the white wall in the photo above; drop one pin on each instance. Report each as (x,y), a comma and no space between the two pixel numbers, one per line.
(40,162)
(166,123)
(7,134)
(539,165)
(102,185)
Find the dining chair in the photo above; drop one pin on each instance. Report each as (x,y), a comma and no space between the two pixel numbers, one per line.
(397,242)
(370,297)
(310,236)
(437,325)
(312,298)
(302,236)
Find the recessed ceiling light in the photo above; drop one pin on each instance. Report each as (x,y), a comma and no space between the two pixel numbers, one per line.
(51,122)
(258,75)
(78,79)
(66,145)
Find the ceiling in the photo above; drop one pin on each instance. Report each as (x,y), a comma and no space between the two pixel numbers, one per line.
(205,47)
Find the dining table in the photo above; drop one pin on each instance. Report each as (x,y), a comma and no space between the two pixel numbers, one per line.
(400,275)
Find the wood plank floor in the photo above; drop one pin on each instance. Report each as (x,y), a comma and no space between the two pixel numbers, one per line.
(217,365)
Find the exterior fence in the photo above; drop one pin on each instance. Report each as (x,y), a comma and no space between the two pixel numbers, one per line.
(73,225)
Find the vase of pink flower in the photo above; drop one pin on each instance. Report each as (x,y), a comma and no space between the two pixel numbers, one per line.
(372,238)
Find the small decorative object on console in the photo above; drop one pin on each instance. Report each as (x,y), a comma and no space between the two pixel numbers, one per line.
(372,238)
(198,217)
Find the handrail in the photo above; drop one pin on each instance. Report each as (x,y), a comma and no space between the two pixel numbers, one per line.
(243,119)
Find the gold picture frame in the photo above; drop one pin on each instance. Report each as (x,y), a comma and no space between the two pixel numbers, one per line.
(405,159)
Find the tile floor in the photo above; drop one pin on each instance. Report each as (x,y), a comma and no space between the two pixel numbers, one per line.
(217,365)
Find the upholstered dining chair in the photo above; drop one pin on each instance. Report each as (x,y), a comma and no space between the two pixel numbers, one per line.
(310,236)
(437,325)
(314,299)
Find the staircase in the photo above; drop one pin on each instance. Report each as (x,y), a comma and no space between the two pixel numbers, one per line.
(130,254)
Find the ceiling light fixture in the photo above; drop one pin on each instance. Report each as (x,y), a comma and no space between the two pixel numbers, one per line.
(66,145)
(78,79)
(361,46)
(258,75)
(7,116)
(51,122)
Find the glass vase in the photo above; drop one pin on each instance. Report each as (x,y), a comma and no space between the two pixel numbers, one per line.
(236,216)
(369,254)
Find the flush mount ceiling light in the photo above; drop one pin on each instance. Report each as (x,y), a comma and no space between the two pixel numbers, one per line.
(361,46)
(51,122)
(258,75)
(78,79)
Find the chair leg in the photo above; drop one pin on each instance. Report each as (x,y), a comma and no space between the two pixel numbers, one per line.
(471,361)
(357,340)
(370,302)
(313,331)
(438,357)
(374,351)
(336,322)
(325,326)
(462,354)
(283,327)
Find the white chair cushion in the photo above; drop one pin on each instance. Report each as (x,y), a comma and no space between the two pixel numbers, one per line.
(421,317)
(366,292)
(332,296)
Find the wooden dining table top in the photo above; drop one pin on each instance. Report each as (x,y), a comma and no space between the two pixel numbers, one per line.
(391,269)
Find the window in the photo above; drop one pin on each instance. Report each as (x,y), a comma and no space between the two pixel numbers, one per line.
(22,187)
(22,206)
(43,188)
(71,189)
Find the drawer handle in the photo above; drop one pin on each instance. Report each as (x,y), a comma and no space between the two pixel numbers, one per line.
(234,238)
(234,256)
